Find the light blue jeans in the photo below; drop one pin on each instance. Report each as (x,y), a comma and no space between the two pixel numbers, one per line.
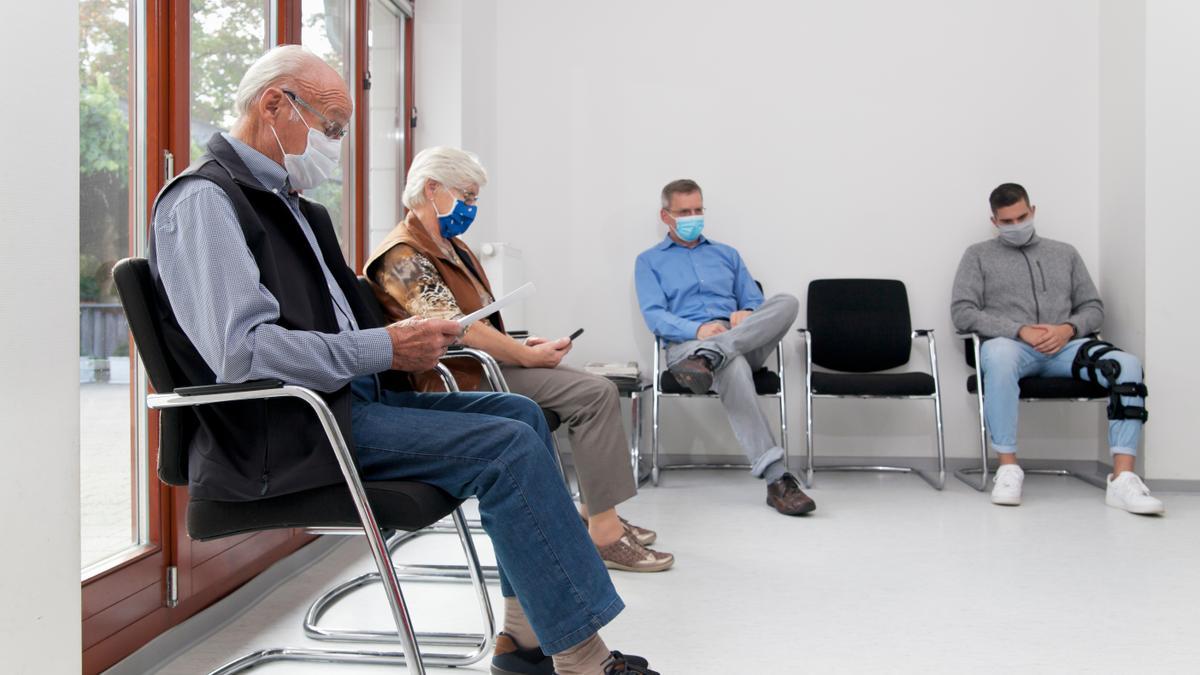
(1005,361)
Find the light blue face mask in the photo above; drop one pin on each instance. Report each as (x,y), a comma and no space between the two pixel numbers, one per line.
(689,227)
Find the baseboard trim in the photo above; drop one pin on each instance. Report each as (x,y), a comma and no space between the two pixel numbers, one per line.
(926,463)
(178,639)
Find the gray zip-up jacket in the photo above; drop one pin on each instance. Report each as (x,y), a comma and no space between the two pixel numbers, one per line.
(1000,288)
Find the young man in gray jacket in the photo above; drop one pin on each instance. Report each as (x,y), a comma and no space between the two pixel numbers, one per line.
(1033,302)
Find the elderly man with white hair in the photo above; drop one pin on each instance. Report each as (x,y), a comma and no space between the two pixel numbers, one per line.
(252,285)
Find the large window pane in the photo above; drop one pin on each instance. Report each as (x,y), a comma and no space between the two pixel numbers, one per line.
(226,37)
(388,119)
(325,26)
(108,113)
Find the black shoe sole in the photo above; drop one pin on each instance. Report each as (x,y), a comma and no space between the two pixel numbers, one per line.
(696,382)
(804,510)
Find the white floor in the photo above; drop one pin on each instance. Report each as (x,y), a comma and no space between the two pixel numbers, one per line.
(887,576)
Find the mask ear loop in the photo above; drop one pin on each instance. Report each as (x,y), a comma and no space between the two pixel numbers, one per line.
(276,135)
(298,115)
(436,211)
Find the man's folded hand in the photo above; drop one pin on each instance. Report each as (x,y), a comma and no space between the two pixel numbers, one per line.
(418,343)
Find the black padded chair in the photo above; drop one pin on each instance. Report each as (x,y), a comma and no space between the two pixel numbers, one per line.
(1065,389)
(355,507)
(857,328)
(767,384)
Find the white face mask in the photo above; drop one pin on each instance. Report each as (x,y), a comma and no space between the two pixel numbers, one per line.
(317,164)
(1017,234)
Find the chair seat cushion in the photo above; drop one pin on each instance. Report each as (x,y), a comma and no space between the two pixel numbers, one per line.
(552,419)
(766,383)
(1052,387)
(872,384)
(398,505)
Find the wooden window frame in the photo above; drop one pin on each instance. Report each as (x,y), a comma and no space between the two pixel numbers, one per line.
(125,606)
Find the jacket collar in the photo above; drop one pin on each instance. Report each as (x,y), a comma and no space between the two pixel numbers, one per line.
(228,156)
(1033,241)
(411,231)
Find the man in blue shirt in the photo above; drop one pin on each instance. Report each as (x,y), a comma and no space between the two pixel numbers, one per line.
(698,296)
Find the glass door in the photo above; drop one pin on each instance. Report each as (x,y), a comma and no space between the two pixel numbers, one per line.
(113,479)
(326,29)
(389,117)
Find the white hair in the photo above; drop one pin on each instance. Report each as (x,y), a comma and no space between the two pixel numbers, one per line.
(451,167)
(279,65)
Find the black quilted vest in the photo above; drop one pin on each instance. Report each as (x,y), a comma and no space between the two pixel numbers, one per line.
(255,449)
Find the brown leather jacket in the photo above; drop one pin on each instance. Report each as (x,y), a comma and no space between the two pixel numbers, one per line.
(463,285)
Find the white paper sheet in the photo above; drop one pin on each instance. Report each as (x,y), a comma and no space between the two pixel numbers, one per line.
(519,294)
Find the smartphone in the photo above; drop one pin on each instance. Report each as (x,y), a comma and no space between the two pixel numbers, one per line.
(575,335)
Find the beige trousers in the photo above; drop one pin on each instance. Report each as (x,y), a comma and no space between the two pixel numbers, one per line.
(590,409)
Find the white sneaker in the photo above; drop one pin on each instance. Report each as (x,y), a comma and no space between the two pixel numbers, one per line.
(1128,492)
(1008,481)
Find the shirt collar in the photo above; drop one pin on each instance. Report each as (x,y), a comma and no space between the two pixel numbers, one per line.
(668,242)
(265,170)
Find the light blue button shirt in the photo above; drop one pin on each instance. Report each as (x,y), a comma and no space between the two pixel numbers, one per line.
(681,288)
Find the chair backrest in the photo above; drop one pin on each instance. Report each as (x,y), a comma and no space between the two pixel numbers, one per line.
(138,294)
(366,290)
(859,325)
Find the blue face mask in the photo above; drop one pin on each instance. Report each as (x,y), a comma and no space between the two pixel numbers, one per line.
(458,220)
(689,227)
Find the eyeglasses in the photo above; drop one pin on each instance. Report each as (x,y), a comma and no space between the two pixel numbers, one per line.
(468,198)
(332,129)
(684,213)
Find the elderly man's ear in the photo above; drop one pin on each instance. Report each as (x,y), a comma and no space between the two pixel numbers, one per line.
(271,105)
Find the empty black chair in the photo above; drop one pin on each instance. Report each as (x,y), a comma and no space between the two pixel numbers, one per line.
(355,507)
(857,328)
(1066,389)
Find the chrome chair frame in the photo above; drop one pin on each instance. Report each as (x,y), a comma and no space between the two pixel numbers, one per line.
(937,483)
(411,641)
(655,415)
(982,471)
(427,572)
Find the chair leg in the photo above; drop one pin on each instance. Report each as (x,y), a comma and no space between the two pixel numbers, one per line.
(808,436)
(962,474)
(654,422)
(472,571)
(941,441)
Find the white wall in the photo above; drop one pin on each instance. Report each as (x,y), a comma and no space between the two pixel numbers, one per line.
(1172,174)
(1122,224)
(832,139)
(39,404)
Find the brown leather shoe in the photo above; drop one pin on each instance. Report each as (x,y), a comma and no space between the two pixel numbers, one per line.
(693,373)
(784,496)
(627,555)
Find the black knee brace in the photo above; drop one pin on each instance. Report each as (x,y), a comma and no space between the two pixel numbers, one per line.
(1090,358)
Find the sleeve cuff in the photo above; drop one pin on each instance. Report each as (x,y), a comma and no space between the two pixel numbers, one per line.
(374,350)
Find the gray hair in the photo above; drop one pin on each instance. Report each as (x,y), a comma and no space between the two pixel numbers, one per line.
(451,167)
(683,186)
(279,65)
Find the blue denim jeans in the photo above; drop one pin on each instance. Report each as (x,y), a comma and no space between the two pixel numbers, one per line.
(495,447)
(1005,361)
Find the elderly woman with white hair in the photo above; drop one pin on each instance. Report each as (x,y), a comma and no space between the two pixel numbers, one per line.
(424,269)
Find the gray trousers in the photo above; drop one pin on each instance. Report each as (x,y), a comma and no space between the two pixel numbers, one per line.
(591,410)
(743,350)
